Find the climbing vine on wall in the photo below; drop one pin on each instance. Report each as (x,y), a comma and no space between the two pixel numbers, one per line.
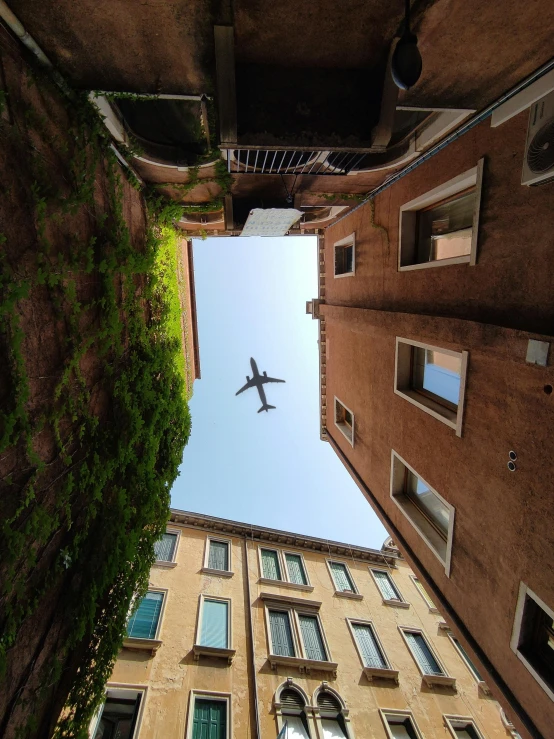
(86,466)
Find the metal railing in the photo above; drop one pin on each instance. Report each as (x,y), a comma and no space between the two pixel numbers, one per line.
(292,161)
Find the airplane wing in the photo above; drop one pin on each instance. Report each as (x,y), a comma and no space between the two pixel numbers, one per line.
(270,379)
(248,385)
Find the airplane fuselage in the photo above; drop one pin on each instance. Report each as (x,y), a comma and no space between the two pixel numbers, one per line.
(258,381)
(259,385)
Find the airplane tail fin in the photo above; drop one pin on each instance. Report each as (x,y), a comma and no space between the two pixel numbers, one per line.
(266,407)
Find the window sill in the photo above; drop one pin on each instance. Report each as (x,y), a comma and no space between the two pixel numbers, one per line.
(434,610)
(346,594)
(483,687)
(163,563)
(144,645)
(285,584)
(217,573)
(444,415)
(395,603)
(444,681)
(304,665)
(345,274)
(463,259)
(217,652)
(381,673)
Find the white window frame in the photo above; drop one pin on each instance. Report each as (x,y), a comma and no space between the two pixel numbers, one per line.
(213,696)
(480,682)
(173,562)
(383,673)
(395,712)
(355,595)
(210,571)
(294,610)
(341,426)
(120,687)
(449,719)
(443,680)
(227,652)
(349,240)
(524,593)
(154,643)
(408,216)
(283,567)
(423,528)
(402,603)
(403,382)
(432,608)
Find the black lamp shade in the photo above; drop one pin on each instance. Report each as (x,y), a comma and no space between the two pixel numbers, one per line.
(406,62)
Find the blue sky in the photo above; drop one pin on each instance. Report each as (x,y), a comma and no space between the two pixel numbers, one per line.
(269,469)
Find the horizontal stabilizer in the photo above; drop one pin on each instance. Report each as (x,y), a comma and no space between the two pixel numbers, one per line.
(266,407)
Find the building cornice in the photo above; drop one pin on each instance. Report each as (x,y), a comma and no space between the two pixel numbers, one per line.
(275,537)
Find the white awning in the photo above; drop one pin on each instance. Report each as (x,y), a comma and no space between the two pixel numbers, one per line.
(270,221)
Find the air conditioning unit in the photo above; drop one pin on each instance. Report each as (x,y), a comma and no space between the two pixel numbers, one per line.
(538,163)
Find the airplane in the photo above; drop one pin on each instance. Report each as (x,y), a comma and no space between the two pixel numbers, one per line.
(258,381)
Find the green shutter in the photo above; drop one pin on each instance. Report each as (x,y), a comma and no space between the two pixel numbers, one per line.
(281,636)
(165,547)
(423,592)
(270,564)
(371,653)
(386,585)
(210,719)
(296,569)
(341,576)
(466,656)
(144,621)
(215,615)
(311,636)
(422,653)
(218,558)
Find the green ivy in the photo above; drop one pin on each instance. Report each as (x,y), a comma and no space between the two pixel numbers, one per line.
(109,499)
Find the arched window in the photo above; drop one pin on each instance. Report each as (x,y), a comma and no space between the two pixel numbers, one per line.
(290,708)
(332,716)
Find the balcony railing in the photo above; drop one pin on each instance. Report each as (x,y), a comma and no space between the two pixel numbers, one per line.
(292,161)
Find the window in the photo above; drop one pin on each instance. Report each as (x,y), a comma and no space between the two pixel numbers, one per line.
(208,715)
(282,641)
(281,634)
(120,714)
(270,565)
(427,511)
(311,637)
(290,709)
(533,637)
(432,379)
(371,651)
(344,421)
(344,584)
(213,636)
(466,658)
(429,665)
(217,557)
(421,590)
(287,568)
(165,548)
(441,227)
(332,719)
(462,728)
(399,724)
(388,589)
(145,621)
(345,256)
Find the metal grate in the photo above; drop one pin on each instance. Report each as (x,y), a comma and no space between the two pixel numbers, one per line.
(287,161)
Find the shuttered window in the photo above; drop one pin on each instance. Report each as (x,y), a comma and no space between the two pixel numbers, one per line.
(311,636)
(143,624)
(281,635)
(164,548)
(467,658)
(210,719)
(218,557)
(386,585)
(215,619)
(341,577)
(369,648)
(423,592)
(423,655)
(295,568)
(270,564)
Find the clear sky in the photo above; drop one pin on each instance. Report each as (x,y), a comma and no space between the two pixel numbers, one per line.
(269,469)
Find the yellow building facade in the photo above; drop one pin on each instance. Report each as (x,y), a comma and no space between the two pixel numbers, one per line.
(247,631)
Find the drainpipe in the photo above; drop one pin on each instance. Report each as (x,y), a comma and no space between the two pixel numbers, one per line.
(515,705)
(460,131)
(252,651)
(27,40)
